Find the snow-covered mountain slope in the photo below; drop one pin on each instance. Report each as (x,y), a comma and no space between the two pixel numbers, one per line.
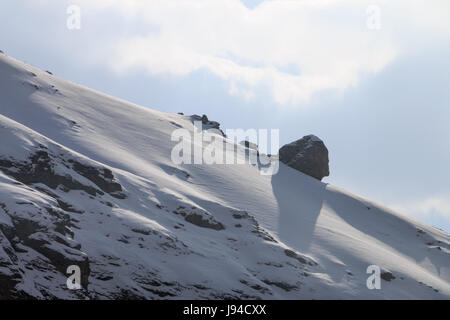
(87,180)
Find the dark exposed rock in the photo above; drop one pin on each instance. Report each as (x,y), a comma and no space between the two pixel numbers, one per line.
(62,221)
(5,163)
(255,286)
(282,285)
(9,273)
(207,124)
(199,221)
(308,155)
(7,287)
(25,232)
(387,276)
(102,177)
(296,256)
(40,169)
(292,254)
(141,231)
(61,261)
(198,218)
(118,195)
(176,124)
(68,207)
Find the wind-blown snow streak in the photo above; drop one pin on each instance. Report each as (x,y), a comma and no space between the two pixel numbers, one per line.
(87,179)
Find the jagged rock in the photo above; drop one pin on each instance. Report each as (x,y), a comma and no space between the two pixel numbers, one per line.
(102,177)
(47,233)
(207,124)
(40,169)
(308,155)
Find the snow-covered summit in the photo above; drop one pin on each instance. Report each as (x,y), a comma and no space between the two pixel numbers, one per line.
(87,180)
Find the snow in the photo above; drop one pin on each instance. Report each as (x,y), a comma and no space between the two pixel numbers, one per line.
(145,246)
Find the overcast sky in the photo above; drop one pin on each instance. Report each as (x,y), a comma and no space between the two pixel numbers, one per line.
(371,78)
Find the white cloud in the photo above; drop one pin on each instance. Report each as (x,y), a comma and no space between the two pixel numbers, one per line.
(294,49)
(431,207)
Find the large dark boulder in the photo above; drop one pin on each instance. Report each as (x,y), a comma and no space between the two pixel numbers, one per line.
(308,155)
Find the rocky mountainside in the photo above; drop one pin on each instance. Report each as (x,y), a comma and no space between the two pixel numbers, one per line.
(87,180)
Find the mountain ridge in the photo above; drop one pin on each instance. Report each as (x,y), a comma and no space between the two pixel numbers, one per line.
(87,179)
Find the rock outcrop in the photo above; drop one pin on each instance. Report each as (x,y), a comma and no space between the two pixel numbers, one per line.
(208,124)
(308,155)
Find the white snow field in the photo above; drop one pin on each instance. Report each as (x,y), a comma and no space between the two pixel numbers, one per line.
(87,180)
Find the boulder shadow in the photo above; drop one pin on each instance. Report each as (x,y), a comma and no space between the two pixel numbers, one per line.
(299,198)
